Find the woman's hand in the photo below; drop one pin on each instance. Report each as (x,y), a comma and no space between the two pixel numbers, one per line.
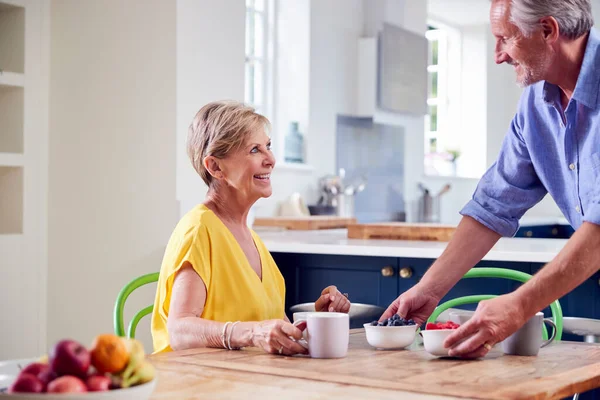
(273,336)
(332,300)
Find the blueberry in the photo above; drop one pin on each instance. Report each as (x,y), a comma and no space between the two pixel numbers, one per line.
(411,322)
(396,316)
(398,323)
(374,323)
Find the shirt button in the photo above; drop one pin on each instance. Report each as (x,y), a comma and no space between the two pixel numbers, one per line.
(571,166)
(577,209)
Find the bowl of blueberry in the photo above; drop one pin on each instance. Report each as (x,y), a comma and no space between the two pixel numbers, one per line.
(392,333)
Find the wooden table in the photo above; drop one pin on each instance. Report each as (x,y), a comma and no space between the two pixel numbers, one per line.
(560,370)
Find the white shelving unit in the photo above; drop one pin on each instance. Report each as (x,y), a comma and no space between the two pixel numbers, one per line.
(12,107)
(24,82)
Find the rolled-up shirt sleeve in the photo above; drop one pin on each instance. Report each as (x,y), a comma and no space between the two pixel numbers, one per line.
(508,188)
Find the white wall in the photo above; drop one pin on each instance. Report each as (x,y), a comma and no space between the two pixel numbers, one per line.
(112,203)
(210,66)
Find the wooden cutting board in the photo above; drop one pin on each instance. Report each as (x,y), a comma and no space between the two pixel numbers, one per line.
(560,370)
(306,223)
(402,231)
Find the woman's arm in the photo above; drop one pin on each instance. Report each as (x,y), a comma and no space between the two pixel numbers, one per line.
(187,330)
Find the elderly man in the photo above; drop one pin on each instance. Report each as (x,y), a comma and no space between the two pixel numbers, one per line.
(552,146)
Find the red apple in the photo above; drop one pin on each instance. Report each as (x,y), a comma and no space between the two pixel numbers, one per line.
(67,384)
(46,377)
(35,368)
(41,371)
(26,383)
(98,383)
(69,357)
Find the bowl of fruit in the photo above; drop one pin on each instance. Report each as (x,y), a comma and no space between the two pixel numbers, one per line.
(434,335)
(393,333)
(112,368)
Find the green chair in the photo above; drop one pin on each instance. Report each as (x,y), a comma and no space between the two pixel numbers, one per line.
(485,272)
(120,305)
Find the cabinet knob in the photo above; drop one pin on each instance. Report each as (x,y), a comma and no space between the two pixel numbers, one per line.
(554,231)
(529,233)
(387,271)
(406,272)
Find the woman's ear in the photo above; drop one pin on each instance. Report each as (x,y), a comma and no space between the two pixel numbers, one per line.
(213,167)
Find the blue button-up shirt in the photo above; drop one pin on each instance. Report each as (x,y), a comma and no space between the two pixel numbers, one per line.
(547,150)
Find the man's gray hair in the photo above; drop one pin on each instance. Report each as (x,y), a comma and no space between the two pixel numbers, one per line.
(574,17)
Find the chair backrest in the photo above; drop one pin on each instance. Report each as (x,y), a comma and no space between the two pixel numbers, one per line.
(120,305)
(485,272)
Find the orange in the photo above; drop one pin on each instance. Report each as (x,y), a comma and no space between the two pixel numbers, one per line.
(109,353)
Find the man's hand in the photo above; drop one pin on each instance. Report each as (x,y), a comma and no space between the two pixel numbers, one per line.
(493,321)
(416,304)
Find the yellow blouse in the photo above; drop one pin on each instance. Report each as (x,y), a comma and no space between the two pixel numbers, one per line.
(234,292)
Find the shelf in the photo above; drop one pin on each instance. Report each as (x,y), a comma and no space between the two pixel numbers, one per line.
(11,119)
(12,36)
(11,199)
(11,160)
(11,4)
(12,79)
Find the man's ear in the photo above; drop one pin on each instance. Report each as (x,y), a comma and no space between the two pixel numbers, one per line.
(213,167)
(550,29)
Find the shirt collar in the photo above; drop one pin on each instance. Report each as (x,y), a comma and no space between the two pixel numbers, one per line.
(586,88)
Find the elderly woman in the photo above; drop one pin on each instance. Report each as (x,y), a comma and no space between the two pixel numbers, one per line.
(219,285)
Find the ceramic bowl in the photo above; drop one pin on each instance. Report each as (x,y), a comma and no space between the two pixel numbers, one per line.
(433,341)
(139,392)
(390,337)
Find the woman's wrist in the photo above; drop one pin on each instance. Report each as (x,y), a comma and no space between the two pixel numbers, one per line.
(242,334)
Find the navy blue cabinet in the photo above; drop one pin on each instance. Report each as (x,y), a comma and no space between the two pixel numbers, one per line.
(556,231)
(370,280)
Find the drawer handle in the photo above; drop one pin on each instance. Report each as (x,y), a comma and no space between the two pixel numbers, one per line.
(406,272)
(387,271)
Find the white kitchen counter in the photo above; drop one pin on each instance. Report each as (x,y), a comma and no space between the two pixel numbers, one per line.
(335,241)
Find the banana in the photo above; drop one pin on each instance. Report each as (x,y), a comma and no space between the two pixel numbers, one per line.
(144,373)
(137,359)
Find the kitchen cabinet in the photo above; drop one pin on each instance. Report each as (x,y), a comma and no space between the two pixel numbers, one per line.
(375,280)
(553,231)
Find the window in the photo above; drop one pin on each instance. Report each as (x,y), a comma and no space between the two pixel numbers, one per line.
(443,72)
(259,56)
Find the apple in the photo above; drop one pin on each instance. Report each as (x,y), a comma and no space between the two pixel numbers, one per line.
(46,377)
(98,383)
(35,368)
(41,371)
(69,357)
(26,383)
(67,384)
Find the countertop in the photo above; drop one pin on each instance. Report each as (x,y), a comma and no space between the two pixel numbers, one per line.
(336,242)
(560,370)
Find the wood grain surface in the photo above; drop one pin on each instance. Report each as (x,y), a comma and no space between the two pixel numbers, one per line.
(559,371)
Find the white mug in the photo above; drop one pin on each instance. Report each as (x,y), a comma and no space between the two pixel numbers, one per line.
(527,341)
(326,335)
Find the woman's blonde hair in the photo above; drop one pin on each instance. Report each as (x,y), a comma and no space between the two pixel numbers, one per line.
(219,128)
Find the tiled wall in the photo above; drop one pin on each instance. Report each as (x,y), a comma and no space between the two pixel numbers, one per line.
(376,152)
